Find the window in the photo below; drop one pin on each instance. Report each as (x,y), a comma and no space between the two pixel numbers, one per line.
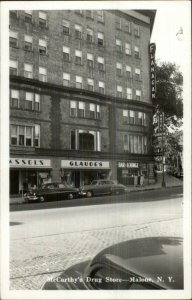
(79,82)
(128,27)
(90,84)
(100,63)
(90,60)
(13,13)
(28,104)
(127,49)
(138,95)
(42,19)
(92,110)
(65,27)
(89,14)
(118,45)
(28,43)
(100,39)
(37,102)
(137,52)
(28,16)
(118,23)
(37,135)
(129,93)
(13,133)
(66,79)
(89,35)
(125,113)
(42,47)
(137,74)
(21,135)
(66,53)
(78,57)
(100,15)
(98,113)
(135,143)
(81,110)
(129,71)
(85,140)
(42,74)
(132,117)
(28,71)
(119,91)
(78,31)
(136,30)
(13,67)
(73,108)
(101,87)
(29,132)
(26,136)
(14,98)
(119,69)
(13,39)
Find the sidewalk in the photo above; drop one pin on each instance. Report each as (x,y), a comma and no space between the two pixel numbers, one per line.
(170,181)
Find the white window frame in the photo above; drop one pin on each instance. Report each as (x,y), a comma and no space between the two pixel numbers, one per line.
(15,96)
(66,78)
(14,36)
(78,80)
(90,82)
(119,91)
(42,47)
(28,70)
(28,40)
(127,48)
(129,94)
(66,50)
(78,31)
(78,56)
(89,35)
(119,68)
(42,74)
(137,51)
(137,73)
(90,57)
(42,18)
(13,64)
(101,62)
(138,94)
(129,71)
(66,24)
(73,108)
(100,37)
(100,15)
(102,86)
(125,113)
(118,43)
(37,100)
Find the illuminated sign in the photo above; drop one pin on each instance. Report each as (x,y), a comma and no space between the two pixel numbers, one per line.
(29,163)
(128,165)
(84,164)
(152,49)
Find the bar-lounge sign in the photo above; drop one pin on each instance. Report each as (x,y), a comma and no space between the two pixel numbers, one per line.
(29,163)
(152,49)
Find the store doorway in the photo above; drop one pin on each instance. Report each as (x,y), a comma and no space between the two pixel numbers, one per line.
(14,182)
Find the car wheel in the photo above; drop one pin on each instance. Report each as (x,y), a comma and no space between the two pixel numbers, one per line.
(42,199)
(70,196)
(89,194)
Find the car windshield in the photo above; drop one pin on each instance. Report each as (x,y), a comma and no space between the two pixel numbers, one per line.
(94,182)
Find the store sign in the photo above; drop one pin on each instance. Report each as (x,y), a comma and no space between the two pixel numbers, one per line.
(84,164)
(152,49)
(128,165)
(29,163)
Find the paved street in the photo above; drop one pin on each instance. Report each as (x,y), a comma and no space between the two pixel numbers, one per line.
(44,242)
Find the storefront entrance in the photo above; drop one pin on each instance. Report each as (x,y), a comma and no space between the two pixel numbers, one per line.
(14,182)
(78,173)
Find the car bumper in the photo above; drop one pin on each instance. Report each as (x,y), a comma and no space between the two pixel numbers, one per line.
(31,198)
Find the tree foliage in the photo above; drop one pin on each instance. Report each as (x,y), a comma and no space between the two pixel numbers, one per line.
(169,81)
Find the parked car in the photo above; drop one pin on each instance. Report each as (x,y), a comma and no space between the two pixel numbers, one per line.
(141,264)
(51,191)
(102,187)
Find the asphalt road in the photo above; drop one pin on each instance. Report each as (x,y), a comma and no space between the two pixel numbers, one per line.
(139,196)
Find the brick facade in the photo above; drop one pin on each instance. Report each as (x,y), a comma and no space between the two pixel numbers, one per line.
(54,115)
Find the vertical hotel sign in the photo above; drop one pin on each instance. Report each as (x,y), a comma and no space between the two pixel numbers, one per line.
(152,48)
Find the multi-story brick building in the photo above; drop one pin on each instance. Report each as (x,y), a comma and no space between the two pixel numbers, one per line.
(80,103)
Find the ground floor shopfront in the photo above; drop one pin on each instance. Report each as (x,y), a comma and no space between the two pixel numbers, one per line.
(28,172)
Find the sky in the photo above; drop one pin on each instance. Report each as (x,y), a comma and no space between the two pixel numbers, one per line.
(169,19)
